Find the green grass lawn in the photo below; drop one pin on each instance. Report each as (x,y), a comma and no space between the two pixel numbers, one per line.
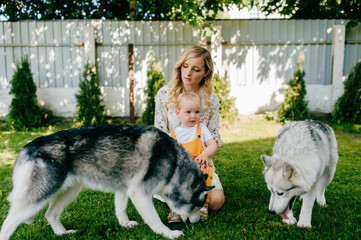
(245,213)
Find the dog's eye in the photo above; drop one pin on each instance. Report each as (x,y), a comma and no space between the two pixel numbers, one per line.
(280,194)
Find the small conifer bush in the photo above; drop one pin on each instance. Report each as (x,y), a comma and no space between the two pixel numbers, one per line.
(227,106)
(90,108)
(347,109)
(25,111)
(294,106)
(155,81)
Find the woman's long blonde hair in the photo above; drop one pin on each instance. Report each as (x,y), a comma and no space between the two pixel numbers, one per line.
(176,84)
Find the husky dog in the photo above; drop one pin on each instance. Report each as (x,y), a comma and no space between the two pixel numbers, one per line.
(131,161)
(303,163)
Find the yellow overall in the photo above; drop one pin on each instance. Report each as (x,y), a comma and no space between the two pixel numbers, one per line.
(195,147)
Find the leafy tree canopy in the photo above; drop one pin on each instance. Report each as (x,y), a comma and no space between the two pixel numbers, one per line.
(314,9)
(196,12)
(64,9)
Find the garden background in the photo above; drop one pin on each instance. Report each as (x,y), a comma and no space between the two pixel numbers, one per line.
(258,56)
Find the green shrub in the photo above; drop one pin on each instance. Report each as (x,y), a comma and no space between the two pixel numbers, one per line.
(294,106)
(90,108)
(227,107)
(348,106)
(25,111)
(155,81)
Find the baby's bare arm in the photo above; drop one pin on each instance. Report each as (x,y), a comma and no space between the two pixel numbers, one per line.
(203,160)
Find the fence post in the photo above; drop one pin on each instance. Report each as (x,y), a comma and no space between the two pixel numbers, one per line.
(216,50)
(89,45)
(131,81)
(338,54)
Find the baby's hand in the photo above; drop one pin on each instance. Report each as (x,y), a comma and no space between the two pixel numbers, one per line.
(203,161)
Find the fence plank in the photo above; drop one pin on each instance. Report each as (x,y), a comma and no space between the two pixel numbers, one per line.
(254,52)
(9,60)
(4,80)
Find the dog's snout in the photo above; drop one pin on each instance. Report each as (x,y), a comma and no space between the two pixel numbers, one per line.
(272,212)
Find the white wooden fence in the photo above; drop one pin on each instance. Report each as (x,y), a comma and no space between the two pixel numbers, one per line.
(258,55)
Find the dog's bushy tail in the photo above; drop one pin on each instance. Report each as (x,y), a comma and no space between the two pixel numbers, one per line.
(33,180)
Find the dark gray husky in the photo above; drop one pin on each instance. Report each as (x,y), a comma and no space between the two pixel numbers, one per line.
(131,161)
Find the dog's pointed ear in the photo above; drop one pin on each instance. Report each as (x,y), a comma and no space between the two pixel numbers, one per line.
(266,160)
(209,188)
(289,170)
(206,190)
(205,175)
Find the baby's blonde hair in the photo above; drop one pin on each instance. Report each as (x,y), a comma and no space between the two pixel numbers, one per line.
(176,84)
(191,96)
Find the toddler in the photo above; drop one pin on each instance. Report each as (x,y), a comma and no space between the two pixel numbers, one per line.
(196,139)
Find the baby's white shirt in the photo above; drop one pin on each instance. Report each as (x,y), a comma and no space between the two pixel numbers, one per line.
(185,135)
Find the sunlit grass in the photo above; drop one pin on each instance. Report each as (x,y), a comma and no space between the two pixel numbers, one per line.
(249,128)
(244,215)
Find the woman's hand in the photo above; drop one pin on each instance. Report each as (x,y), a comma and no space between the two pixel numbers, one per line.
(203,161)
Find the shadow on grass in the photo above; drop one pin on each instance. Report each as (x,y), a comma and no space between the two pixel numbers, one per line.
(5,179)
(244,215)
(247,197)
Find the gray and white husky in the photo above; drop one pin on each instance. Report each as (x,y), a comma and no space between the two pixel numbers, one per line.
(131,161)
(303,163)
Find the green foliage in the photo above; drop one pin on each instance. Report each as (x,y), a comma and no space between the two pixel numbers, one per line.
(155,81)
(64,9)
(227,107)
(314,9)
(348,106)
(194,12)
(90,108)
(25,111)
(294,106)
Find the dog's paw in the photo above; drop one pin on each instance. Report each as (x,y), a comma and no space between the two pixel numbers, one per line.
(304,224)
(290,221)
(66,232)
(128,224)
(321,201)
(172,234)
(29,221)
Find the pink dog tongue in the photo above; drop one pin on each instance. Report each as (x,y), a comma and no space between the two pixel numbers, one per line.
(285,213)
(284,216)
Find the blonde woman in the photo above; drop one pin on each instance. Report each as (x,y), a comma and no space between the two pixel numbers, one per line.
(193,72)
